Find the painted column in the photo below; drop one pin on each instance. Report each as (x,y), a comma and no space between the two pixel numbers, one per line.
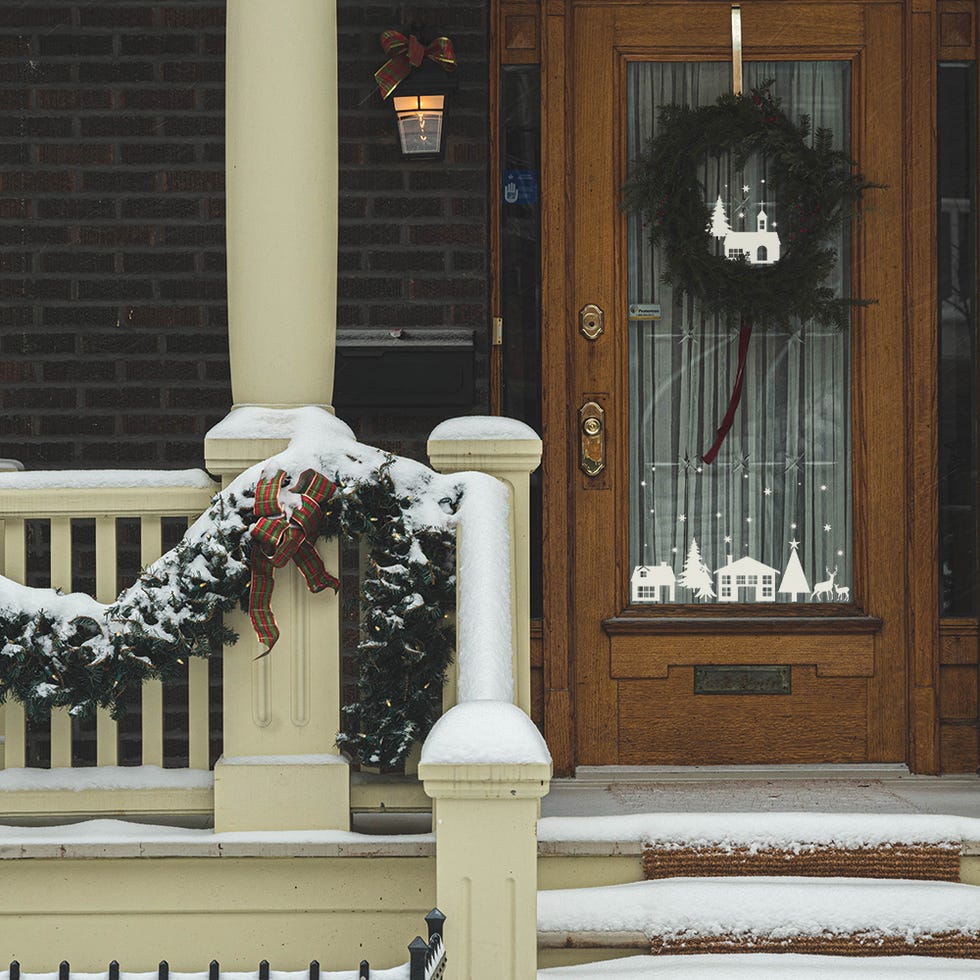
(281,180)
(510,451)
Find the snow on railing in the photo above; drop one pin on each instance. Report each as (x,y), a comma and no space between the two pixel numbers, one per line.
(64,524)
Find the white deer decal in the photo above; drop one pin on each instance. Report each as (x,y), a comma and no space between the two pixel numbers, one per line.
(843,593)
(826,587)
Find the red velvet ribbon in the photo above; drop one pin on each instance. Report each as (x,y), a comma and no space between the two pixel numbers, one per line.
(744,336)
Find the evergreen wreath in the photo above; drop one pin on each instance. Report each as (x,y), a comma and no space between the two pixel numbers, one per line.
(81,655)
(819,186)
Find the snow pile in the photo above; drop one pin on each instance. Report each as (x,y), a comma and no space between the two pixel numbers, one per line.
(106,479)
(794,832)
(481,427)
(772,908)
(485,732)
(786,966)
(104,778)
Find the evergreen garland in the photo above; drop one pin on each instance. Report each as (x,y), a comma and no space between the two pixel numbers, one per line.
(88,659)
(818,184)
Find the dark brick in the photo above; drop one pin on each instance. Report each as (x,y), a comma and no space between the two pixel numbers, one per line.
(201,344)
(446,288)
(32,234)
(370,288)
(167,98)
(118,343)
(371,180)
(12,425)
(77,262)
(374,234)
(15,154)
(217,371)
(176,424)
(70,99)
(170,208)
(36,182)
(74,209)
(468,315)
(150,263)
(182,127)
(32,344)
(214,152)
(21,15)
(116,235)
(193,181)
(77,315)
(17,316)
(157,44)
(216,209)
(14,371)
(470,262)
(34,73)
(192,72)
(17,263)
(123,289)
(199,397)
(406,315)
(197,288)
(77,425)
(118,125)
(215,262)
(156,369)
(213,99)
(123,397)
(164,316)
(116,72)
(13,99)
(448,235)
(400,208)
(41,288)
(410,261)
(34,397)
(118,181)
(71,45)
(352,207)
(14,208)
(469,207)
(157,153)
(115,16)
(75,371)
(193,17)
(214,45)
(75,153)
(198,236)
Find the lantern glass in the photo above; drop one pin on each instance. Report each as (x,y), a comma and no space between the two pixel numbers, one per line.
(420,123)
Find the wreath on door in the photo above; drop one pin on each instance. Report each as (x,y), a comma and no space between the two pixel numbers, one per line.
(819,188)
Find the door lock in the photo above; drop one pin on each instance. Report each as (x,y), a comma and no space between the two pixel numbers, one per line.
(590,319)
(592,428)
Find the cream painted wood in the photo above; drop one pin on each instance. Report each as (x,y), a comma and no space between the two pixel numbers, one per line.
(281,198)
(197,713)
(486,864)
(106,734)
(151,720)
(238,910)
(61,744)
(77,502)
(512,461)
(281,768)
(15,723)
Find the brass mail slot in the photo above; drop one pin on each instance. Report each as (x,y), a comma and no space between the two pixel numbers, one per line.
(730,679)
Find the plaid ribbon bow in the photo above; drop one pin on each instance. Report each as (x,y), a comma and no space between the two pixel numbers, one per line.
(279,539)
(406,54)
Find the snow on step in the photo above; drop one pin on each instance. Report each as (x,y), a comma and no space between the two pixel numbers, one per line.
(786,966)
(678,909)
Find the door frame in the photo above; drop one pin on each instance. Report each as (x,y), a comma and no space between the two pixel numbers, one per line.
(913,179)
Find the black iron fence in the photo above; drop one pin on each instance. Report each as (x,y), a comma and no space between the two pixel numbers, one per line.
(427,961)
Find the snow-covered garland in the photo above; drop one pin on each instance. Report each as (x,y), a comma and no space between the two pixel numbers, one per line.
(70,651)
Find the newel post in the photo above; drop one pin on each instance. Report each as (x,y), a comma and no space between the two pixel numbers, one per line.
(280,767)
(486,767)
(510,451)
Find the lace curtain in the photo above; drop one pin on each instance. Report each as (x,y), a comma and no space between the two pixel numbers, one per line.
(770,519)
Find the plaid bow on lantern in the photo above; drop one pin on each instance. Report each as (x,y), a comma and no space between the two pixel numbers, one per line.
(406,54)
(278,539)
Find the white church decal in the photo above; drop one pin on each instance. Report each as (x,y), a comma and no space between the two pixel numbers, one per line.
(759,247)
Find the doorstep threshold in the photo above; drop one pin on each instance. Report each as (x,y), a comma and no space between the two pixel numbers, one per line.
(689,774)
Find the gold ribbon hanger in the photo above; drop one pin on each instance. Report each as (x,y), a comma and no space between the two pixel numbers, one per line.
(737,49)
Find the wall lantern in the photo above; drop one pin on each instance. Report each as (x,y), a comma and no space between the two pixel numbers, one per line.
(421,76)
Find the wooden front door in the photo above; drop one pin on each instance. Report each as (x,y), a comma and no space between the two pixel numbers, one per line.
(753,611)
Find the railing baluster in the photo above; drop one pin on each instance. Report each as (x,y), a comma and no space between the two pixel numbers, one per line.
(14,970)
(60,566)
(15,723)
(107,737)
(163,971)
(64,971)
(114,970)
(364,973)
(213,970)
(315,970)
(417,950)
(198,736)
(151,547)
(264,970)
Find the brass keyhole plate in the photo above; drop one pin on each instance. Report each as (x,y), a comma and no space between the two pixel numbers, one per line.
(592,429)
(590,321)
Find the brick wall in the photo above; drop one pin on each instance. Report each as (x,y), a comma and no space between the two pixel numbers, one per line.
(113,349)
(113,346)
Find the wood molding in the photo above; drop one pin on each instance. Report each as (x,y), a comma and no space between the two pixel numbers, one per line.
(741,625)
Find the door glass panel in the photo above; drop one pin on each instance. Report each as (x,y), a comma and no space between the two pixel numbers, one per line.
(770,519)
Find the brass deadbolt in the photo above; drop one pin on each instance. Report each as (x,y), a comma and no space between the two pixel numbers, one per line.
(590,319)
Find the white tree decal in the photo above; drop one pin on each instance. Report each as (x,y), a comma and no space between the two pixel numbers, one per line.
(794,581)
(695,575)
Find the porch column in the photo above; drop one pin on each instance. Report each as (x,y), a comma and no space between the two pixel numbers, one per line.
(510,451)
(281,199)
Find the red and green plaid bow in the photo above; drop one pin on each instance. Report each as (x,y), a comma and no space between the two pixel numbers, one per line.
(406,54)
(278,539)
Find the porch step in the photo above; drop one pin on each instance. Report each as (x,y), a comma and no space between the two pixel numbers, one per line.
(840,916)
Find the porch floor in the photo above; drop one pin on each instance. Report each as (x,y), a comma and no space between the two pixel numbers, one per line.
(606,791)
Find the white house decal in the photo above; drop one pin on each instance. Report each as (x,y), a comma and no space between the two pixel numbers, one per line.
(759,247)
